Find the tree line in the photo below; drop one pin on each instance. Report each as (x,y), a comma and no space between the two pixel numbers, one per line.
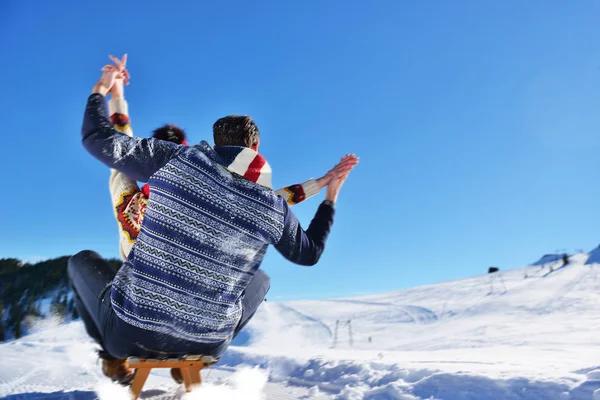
(29,291)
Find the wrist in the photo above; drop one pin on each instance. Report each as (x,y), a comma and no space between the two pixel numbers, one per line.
(329,203)
(100,88)
(321,182)
(331,197)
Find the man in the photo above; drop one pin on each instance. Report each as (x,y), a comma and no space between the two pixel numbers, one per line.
(192,278)
(129,201)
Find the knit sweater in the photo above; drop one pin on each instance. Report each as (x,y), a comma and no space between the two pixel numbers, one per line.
(129,202)
(204,234)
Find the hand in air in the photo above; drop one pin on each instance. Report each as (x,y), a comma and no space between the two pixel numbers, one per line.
(113,75)
(341,169)
(338,176)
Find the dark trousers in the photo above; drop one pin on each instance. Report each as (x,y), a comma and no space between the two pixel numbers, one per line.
(91,277)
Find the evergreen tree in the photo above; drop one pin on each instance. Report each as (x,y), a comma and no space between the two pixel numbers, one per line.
(17,331)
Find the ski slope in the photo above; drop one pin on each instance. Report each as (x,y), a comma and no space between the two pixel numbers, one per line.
(527,333)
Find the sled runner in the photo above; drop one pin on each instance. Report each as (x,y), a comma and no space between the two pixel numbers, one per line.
(189,366)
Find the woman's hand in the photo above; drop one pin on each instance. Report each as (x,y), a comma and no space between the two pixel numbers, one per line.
(110,74)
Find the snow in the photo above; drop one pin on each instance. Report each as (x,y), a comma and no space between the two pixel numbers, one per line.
(524,338)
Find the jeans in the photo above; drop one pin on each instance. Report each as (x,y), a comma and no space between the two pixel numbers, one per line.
(91,277)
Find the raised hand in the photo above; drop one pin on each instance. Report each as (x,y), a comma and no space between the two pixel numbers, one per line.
(339,174)
(342,168)
(110,74)
(120,65)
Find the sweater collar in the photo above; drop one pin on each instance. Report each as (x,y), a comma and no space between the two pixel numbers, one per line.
(243,161)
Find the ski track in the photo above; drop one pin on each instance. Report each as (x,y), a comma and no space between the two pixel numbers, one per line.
(305,317)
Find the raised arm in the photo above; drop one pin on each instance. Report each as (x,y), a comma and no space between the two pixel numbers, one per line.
(306,247)
(129,203)
(120,185)
(297,193)
(135,157)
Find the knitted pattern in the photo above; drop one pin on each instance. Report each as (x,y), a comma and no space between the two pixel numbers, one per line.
(295,194)
(130,202)
(204,234)
(120,122)
(129,211)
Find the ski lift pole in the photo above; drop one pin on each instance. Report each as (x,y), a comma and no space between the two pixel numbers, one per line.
(503,284)
(335,333)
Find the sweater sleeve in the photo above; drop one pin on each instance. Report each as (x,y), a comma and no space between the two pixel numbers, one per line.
(295,194)
(135,157)
(127,200)
(119,116)
(305,247)
(120,183)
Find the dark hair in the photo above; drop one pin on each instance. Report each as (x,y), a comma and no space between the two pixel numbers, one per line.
(171,133)
(235,130)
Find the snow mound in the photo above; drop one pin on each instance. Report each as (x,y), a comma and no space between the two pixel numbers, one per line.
(593,375)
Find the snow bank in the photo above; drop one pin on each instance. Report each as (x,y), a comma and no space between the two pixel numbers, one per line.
(247,384)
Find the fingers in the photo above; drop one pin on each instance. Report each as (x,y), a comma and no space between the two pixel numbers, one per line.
(347,164)
(349,157)
(343,168)
(120,64)
(126,76)
(113,69)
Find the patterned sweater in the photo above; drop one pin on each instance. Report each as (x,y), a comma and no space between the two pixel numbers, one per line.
(129,202)
(204,234)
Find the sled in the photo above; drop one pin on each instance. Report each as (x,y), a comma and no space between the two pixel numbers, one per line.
(190,367)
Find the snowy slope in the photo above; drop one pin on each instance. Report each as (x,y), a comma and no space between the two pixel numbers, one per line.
(530,333)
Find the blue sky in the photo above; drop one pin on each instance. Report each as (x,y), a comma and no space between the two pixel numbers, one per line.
(476,123)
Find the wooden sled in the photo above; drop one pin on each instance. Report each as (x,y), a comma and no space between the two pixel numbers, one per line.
(190,367)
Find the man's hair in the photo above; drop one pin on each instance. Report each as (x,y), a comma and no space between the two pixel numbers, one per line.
(171,133)
(236,130)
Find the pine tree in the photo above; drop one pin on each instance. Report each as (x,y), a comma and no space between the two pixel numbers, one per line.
(18,332)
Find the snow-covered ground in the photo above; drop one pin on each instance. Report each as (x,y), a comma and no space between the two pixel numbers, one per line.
(534,334)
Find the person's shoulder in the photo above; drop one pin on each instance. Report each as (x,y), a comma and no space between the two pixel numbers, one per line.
(264,195)
(275,200)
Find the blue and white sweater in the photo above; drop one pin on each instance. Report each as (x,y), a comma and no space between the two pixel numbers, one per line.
(205,233)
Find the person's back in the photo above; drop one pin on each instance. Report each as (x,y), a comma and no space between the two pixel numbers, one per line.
(204,235)
(191,281)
